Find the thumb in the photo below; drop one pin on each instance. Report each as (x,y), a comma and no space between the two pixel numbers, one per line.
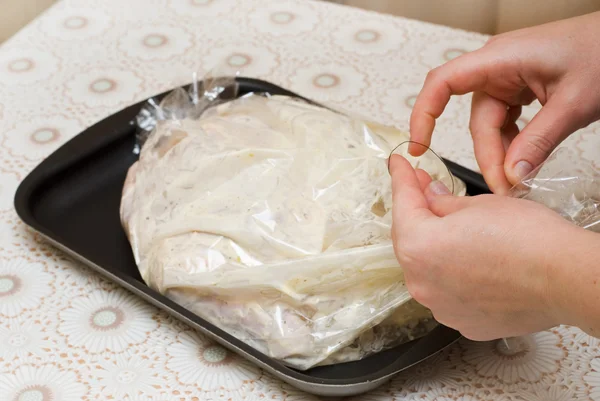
(409,201)
(442,203)
(550,126)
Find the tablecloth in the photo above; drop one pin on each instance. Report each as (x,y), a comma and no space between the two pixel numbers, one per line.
(68,334)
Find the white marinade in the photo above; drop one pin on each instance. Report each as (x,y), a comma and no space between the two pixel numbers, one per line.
(271,218)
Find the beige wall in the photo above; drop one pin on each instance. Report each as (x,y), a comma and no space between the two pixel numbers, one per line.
(14,14)
(473,15)
(487,16)
(514,14)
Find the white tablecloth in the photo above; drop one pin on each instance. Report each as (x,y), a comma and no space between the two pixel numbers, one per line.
(67,334)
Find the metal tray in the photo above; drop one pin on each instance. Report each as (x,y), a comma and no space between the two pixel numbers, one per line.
(72,198)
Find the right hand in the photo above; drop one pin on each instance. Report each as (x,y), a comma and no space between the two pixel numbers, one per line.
(556,63)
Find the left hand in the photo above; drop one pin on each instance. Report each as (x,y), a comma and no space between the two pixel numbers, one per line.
(484,265)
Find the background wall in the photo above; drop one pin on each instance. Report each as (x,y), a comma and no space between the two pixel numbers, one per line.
(514,14)
(487,16)
(14,14)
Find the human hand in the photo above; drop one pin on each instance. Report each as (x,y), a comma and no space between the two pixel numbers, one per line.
(488,266)
(556,63)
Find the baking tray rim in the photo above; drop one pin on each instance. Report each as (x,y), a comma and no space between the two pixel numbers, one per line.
(320,386)
(322,389)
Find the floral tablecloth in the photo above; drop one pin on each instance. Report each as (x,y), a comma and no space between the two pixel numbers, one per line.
(67,334)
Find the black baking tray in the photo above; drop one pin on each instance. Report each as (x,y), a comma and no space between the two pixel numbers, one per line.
(72,198)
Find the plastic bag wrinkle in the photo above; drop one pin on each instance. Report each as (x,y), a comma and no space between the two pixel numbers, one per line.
(567,184)
(270,217)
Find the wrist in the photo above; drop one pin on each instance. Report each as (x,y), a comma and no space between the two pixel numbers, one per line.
(574,281)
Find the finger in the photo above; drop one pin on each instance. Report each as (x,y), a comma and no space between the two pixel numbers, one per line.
(409,201)
(514,112)
(550,126)
(437,188)
(464,74)
(424,178)
(511,129)
(488,116)
(443,205)
(525,97)
(509,133)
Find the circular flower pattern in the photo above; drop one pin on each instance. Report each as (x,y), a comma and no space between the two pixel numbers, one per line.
(465,394)
(372,36)
(150,397)
(41,383)
(151,42)
(589,369)
(245,58)
(23,286)
(104,87)
(428,375)
(127,377)
(68,24)
(22,340)
(194,360)
(438,52)
(552,392)
(106,320)
(26,66)
(585,341)
(8,186)
(267,387)
(526,359)
(13,234)
(332,82)
(398,101)
(36,138)
(75,22)
(451,54)
(284,18)
(203,8)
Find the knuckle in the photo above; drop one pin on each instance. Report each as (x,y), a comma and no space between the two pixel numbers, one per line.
(540,144)
(571,98)
(491,40)
(477,129)
(413,290)
(472,126)
(404,258)
(574,106)
(445,320)
(419,294)
(502,37)
(489,199)
(433,74)
(408,250)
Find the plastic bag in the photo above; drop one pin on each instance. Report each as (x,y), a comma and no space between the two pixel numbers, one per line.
(567,184)
(270,217)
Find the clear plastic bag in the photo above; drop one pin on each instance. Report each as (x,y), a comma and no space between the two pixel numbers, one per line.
(270,217)
(567,184)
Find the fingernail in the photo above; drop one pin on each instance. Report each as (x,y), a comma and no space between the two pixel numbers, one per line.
(522,169)
(438,188)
